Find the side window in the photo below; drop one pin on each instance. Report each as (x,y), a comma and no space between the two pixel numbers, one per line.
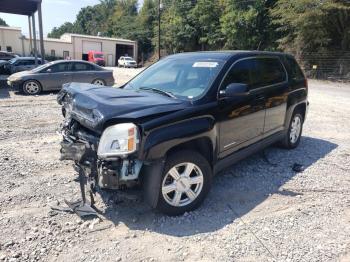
(239,73)
(295,72)
(30,62)
(268,71)
(82,67)
(57,68)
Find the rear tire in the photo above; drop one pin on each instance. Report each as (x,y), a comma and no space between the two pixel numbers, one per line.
(99,82)
(31,87)
(185,182)
(295,129)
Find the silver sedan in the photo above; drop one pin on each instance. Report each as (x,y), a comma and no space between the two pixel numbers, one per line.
(53,75)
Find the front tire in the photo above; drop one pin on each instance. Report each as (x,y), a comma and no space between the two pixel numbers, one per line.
(293,135)
(31,87)
(185,182)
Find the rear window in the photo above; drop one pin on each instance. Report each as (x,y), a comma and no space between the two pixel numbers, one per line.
(295,72)
(83,67)
(268,71)
(256,72)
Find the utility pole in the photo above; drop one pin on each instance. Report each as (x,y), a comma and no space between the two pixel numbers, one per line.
(159,13)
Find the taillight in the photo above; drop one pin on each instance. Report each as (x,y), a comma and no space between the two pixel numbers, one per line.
(305,83)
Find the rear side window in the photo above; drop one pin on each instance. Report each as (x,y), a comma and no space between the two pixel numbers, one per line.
(83,67)
(295,72)
(256,72)
(267,71)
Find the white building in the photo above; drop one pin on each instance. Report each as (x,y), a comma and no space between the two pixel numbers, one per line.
(74,46)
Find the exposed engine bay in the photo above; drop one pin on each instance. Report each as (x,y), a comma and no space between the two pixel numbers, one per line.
(81,146)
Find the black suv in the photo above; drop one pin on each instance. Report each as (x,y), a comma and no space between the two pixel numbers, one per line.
(182,120)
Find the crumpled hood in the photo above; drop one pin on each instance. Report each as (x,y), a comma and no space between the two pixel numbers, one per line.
(93,105)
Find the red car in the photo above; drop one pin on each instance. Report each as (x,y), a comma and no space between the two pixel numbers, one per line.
(96,57)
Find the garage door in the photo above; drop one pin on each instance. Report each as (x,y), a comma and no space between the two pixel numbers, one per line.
(91,46)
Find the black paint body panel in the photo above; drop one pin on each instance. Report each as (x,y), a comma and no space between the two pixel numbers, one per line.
(229,125)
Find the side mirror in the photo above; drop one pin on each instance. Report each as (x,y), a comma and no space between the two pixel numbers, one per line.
(49,70)
(235,90)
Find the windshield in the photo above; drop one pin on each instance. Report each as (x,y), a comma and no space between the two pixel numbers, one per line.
(39,68)
(128,59)
(98,55)
(183,77)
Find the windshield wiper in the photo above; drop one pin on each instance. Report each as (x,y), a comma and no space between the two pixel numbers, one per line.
(167,93)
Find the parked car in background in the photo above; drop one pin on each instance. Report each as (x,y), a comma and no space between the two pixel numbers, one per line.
(7,55)
(126,61)
(97,58)
(53,75)
(19,64)
(182,120)
(3,68)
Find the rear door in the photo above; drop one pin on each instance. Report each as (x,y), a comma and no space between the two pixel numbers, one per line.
(84,72)
(271,79)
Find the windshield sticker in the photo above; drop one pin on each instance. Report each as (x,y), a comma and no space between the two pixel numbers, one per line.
(205,64)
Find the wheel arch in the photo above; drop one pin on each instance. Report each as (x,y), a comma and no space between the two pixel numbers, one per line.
(198,134)
(35,80)
(202,145)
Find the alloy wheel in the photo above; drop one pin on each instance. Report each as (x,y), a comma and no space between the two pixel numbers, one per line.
(182,184)
(98,82)
(295,129)
(32,88)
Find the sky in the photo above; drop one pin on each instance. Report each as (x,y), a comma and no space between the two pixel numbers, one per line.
(55,13)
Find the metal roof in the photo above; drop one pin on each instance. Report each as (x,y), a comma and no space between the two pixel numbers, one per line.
(19,7)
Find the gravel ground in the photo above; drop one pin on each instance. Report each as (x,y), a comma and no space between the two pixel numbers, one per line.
(258,210)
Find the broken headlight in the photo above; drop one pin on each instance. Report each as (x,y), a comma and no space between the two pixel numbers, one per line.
(118,140)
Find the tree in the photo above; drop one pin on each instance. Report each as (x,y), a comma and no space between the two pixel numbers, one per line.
(146,21)
(178,27)
(2,22)
(247,24)
(123,21)
(56,32)
(206,16)
(313,24)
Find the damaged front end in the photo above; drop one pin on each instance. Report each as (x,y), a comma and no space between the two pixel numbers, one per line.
(107,160)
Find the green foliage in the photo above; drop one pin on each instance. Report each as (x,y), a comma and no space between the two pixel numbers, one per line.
(247,25)
(56,32)
(309,25)
(179,29)
(2,22)
(206,16)
(146,22)
(298,26)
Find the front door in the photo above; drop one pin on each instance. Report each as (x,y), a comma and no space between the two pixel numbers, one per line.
(56,75)
(241,119)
